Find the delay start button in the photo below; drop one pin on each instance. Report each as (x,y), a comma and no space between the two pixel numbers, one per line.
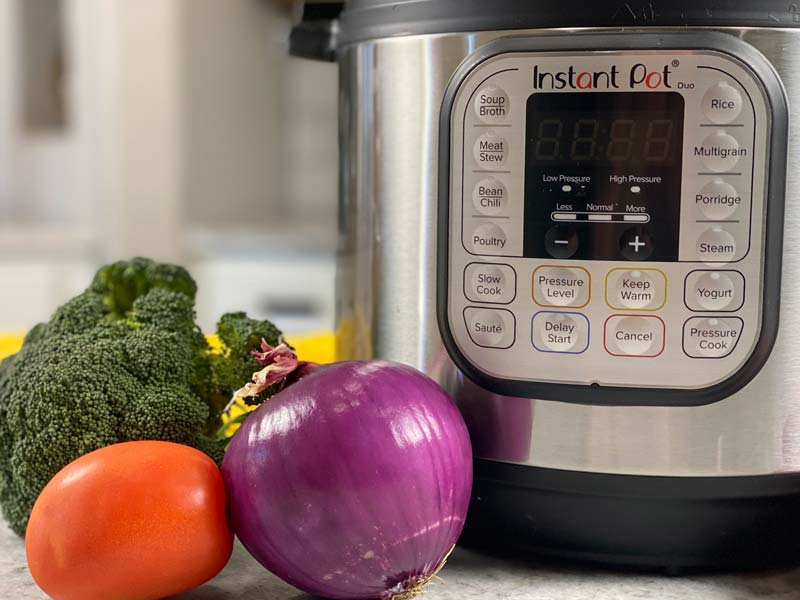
(634,335)
(712,337)
(490,327)
(561,332)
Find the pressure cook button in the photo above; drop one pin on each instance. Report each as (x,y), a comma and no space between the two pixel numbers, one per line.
(488,238)
(713,337)
(491,104)
(719,152)
(718,200)
(490,150)
(714,291)
(561,286)
(490,196)
(561,241)
(722,103)
(634,335)
(489,327)
(636,244)
(636,289)
(563,332)
(716,245)
(492,283)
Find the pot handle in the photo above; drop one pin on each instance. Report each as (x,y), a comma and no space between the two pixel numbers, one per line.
(315,35)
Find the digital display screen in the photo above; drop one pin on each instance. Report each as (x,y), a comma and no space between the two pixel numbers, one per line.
(602,171)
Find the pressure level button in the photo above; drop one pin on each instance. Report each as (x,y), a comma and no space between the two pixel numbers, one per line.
(719,152)
(491,104)
(561,286)
(490,197)
(722,103)
(490,151)
(490,327)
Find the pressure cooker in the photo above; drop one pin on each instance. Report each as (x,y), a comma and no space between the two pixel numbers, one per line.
(582,219)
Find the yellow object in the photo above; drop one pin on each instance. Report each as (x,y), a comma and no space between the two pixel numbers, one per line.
(9,344)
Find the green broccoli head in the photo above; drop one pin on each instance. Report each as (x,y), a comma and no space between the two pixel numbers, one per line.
(122,361)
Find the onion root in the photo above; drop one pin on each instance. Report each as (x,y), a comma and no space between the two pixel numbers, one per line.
(417,587)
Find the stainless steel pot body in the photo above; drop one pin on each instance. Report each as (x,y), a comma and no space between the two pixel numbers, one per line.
(390,99)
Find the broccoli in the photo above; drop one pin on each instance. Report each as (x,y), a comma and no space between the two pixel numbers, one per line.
(122,361)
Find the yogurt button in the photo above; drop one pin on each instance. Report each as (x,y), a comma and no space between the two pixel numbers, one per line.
(715,290)
(491,104)
(720,152)
(490,328)
(488,238)
(716,245)
(634,335)
(490,151)
(718,200)
(490,283)
(490,196)
(715,337)
(722,103)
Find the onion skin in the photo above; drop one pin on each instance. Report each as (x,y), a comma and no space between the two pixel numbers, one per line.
(353,482)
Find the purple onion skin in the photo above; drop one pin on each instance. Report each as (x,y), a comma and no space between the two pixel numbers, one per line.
(353,482)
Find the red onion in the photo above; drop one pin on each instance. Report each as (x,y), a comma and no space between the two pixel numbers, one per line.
(353,482)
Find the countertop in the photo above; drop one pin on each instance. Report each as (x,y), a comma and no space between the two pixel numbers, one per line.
(468,576)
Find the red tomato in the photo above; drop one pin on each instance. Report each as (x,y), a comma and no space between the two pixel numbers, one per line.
(132,521)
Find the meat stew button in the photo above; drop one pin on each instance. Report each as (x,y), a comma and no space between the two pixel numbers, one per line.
(634,335)
(712,337)
(490,327)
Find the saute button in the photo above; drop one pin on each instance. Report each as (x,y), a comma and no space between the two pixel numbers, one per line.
(561,286)
(716,245)
(490,196)
(491,104)
(634,335)
(714,337)
(565,332)
(490,328)
(718,200)
(488,238)
(490,150)
(637,289)
(722,103)
(490,283)
(714,290)
(719,152)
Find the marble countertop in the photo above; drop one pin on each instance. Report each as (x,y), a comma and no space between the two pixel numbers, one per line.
(468,576)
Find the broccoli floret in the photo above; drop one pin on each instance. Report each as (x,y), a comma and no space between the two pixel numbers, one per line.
(122,361)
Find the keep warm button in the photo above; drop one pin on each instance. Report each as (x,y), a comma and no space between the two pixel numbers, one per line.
(711,337)
(634,335)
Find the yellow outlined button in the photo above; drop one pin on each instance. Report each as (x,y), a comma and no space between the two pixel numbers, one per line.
(643,289)
(557,285)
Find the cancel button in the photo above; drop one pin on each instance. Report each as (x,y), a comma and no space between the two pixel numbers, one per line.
(712,337)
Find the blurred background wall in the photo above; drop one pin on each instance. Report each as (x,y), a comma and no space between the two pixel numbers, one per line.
(176,129)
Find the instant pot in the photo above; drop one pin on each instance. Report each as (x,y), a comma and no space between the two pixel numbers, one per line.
(582,220)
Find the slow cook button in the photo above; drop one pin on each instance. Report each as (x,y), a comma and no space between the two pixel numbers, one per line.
(490,150)
(712,337)
(716,245)
(722,103)
(561,332)
(714,291)
(492,283)
(561,286)
(636,289)
(719,152)
(490,327)
(634,335)
(488,238)
(491,104)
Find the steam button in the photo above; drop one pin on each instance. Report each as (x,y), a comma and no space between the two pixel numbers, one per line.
(716,245)
(490,327)
(491,104)
(722,103)
(490,151)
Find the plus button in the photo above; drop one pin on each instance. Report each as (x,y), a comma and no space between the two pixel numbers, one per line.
(636,244)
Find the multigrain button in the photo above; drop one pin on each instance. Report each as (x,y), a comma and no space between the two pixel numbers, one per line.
(561,286)
(490,151)
(636,289)
(718,200)
(563,332)
(488,238)
(719,152)
(714,291)
(491,283)
(713,337)
(716,245)
(491,104)
(722,103)
(490,327)
(634,335)
(490,196)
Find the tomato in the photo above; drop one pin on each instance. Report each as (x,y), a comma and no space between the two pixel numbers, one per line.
(132,521)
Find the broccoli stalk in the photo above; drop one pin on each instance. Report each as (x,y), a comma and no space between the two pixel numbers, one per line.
(122,361)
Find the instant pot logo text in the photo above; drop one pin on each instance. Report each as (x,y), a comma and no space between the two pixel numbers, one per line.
(638,77)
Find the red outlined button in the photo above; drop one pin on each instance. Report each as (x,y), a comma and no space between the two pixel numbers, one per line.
(634,336)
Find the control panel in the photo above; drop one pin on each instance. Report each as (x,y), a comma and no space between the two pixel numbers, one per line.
(606,217)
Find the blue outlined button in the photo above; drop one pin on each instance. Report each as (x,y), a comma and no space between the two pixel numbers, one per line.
(560,332)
